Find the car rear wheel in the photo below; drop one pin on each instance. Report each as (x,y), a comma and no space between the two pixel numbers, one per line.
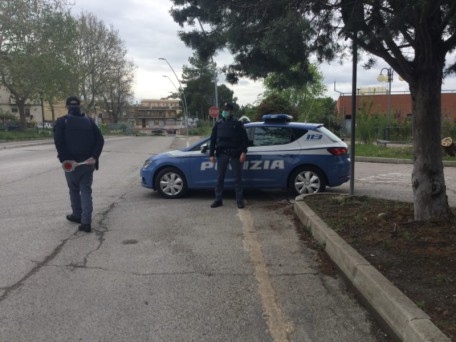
(171,183)
(307,180)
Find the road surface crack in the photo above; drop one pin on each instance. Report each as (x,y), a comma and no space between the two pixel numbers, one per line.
(8,290)
(100,233)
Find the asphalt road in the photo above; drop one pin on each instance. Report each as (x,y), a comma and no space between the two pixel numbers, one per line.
(392,181)
(161,270)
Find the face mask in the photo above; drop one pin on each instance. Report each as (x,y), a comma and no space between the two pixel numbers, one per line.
(225,114)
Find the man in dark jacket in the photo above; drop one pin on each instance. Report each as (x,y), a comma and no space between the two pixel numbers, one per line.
(229,144)
(78,138)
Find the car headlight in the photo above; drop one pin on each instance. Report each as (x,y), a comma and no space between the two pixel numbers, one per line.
(147,163)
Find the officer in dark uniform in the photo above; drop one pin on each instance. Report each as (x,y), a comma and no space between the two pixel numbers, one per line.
(229,144)
(79,139)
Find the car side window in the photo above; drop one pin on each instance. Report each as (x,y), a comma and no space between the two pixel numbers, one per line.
(298,133)
(267,136)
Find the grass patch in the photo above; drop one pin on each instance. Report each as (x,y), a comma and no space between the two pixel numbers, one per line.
(367,150)
(31,134)
(416,256)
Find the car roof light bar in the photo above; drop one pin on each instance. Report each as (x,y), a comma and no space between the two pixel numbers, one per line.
(277,118)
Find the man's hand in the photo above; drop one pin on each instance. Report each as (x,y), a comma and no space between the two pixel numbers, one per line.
(91,161)
(242,157)
(212,159)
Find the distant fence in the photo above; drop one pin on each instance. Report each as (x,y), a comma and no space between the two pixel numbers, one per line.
(119,128)
(401,134)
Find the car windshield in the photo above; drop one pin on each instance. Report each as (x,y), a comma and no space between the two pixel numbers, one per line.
(206,141)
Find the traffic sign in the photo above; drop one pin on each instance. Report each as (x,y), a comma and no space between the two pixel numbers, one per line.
(214,112)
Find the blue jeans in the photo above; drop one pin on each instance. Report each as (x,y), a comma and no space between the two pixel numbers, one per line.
(222,164)
(80,185)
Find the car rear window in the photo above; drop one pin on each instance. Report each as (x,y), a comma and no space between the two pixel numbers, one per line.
(329,134)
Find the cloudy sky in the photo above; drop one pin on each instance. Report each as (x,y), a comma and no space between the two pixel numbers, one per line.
(149,33)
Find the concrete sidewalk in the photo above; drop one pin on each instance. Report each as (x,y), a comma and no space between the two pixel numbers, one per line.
(408,322)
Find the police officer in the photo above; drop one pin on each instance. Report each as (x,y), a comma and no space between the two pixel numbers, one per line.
(78,138)
(229,144)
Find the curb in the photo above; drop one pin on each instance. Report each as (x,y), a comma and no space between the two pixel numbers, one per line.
(26,143)
(405,319)
(447,163)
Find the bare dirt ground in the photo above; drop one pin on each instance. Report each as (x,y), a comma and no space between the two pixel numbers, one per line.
(417,257)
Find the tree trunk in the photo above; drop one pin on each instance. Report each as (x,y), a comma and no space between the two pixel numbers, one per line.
(428,182)
(22,117)
(53,114)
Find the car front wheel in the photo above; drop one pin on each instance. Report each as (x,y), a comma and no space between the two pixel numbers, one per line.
(171,183)
(307,180)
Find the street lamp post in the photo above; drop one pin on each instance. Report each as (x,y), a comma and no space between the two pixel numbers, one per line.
(215,84)
(183,96)
(182,93)
(387,78)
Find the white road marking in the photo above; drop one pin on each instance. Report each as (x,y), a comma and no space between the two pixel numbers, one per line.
(279,326)
(388,178)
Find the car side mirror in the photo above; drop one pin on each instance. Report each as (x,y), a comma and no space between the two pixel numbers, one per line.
(204,148)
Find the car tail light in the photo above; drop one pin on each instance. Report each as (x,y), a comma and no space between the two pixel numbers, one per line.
(338,151)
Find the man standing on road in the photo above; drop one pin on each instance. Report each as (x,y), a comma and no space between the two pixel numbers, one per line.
(229,144)
(78,138)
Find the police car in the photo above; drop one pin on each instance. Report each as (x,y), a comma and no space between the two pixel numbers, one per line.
(302,157)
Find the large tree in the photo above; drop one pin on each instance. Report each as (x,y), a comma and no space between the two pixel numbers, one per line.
(302,98)
(415,37)
(25,40)
(101,60)
(199,87)
(57,70)
(117,94)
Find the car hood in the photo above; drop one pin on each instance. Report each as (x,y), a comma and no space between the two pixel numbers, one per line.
(172,154)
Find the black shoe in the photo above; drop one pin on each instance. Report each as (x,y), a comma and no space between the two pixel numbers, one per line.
(73,218)
(240,204)
(85,228)
(216,203)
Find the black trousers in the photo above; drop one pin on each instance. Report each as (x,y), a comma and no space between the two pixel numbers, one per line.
(222,165)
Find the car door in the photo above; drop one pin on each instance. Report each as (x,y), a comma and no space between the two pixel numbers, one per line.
(203,173)
(271,155)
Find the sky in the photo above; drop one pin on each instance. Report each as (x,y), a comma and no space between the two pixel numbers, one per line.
(149,33)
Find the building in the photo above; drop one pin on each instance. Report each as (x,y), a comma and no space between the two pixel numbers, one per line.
(36,111)
(153,114)
(33,109)
(150,114)
(401,105)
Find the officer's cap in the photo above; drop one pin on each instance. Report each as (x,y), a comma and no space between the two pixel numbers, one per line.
(73,101)
(228,106)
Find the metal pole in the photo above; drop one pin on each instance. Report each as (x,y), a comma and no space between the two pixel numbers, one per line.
(183,101)
(390,79)
(353,118)
(215,84)
(183,95)
(215,90)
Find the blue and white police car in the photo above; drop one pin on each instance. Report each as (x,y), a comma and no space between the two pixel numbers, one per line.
(302,157)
